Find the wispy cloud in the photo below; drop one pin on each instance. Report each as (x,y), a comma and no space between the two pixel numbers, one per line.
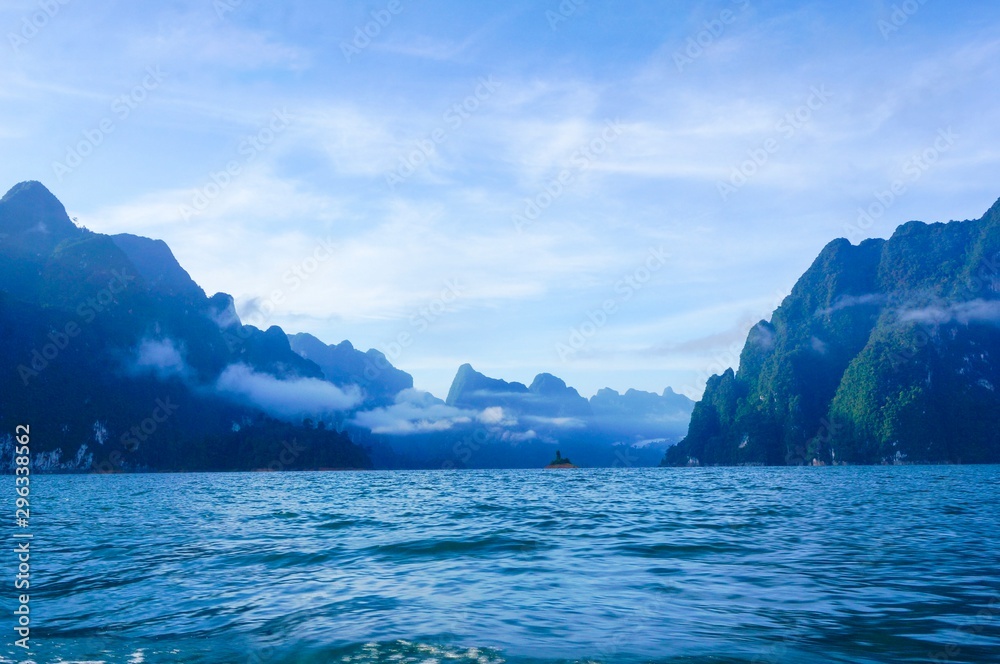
(414,412)
(974,311)
(285,398)
(161,357)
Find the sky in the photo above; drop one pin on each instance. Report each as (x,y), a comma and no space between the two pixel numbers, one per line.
(611,193)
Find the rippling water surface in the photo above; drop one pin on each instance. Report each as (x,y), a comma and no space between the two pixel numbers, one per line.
(887,564)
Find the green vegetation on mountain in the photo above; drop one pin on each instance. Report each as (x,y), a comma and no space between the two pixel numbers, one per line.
(884,352)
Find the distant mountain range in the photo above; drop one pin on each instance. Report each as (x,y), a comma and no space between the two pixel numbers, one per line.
(632,417)
(884,352)
(611,429)
(119,361)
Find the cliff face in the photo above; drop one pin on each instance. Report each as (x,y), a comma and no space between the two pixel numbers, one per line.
(884,352)
(119,362)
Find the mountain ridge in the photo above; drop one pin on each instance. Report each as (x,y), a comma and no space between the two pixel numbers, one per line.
(869,359)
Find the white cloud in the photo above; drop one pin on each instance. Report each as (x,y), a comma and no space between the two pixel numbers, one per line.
(160,357)
(414,412)
(845,301)
(496,416)
(285,398)
(974,311)
(558,422)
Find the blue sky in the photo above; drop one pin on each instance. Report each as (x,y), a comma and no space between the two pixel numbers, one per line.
(610,193)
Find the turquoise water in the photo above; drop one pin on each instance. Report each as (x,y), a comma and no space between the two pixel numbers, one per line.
(762,565)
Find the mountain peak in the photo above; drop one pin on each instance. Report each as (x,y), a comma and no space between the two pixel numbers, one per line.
(31,188)
(469,384)
(465,380)
(994,212)
(546,383)
(31,207)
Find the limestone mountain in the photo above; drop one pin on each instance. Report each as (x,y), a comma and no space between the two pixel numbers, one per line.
(118,361)
(884,352)
(557,412)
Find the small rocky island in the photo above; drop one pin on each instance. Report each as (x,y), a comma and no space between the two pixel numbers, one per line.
(560,462)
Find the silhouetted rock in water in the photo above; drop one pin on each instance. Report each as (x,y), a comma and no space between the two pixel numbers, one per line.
(560,462)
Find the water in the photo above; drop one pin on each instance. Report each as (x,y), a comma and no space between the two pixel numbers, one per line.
(886,564)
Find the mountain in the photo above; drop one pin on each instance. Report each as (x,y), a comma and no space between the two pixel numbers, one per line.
(556,399)
(117,360)
(633,415)
(884,352)
(472,389)
(547,396)
(610,429)
(641,415)
(343,365)
(156,264)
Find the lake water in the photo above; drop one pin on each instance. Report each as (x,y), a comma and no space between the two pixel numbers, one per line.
(882,564)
